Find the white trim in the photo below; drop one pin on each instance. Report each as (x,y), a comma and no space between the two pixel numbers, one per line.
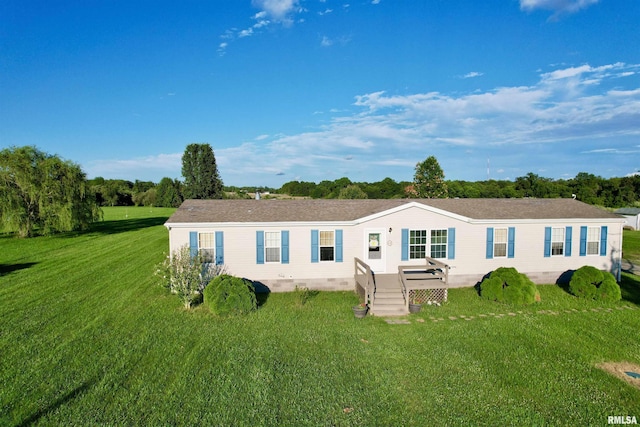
(338,224)
(378,266)
(320,246)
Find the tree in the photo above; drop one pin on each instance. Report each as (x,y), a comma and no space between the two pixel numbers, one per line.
(168,193)
(200,172)
(42,192)
(352,191)
(187,274)
(428,180)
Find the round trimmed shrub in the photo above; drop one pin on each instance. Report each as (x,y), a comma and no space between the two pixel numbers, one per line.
(591,283)
(228,295)
(491,289)
(505,284)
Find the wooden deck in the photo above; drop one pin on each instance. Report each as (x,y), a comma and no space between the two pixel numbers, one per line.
(390,294)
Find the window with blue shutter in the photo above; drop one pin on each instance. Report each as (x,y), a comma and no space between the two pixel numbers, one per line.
(511,244)
(547,242)
(489,242)
(583,240)
(260,247)
(314,245)
(451,243)
(567,241)
(338,245)
(219,247)
(193,243)
(285,246)
(405,244)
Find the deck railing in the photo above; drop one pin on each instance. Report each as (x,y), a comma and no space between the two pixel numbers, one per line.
(364,278)
(419,282)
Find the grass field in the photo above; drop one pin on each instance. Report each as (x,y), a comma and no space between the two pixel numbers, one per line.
(88,338)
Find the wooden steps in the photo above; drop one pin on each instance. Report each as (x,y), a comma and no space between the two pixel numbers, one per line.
(388,299)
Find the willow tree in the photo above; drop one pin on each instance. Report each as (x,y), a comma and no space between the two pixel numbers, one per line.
(43,193)
(200,172)
(428,180)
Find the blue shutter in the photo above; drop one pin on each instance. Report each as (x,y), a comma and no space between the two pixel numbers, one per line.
(193,243)
(547,242)
(603,240)
(451,243)
(314,246)
(489,242)
(284,237)
(219,247)
(405,244)
(567,241)
(338,245)
(511,245)
(259,247)
(583,240)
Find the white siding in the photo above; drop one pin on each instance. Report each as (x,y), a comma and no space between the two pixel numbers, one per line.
(468,267)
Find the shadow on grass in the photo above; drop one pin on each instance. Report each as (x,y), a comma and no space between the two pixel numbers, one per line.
(10,268)
(57,403)
(124,225)
(630,288)
(262,291)
(564,280)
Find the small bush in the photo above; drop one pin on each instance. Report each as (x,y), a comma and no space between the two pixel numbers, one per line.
(505,284)
(228,295)
(590,283)
(303,295)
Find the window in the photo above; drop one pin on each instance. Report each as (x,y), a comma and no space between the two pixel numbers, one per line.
(417,244)
(327,248)
(593,241)
(206,246)
(557,241)
(500,242)
(438,243)
(272,246)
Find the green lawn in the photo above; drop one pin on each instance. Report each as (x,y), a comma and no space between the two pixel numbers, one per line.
(87,338)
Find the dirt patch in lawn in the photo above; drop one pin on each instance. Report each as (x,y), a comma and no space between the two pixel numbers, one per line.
(626,371)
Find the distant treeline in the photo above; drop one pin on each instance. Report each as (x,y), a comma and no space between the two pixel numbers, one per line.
(589,188)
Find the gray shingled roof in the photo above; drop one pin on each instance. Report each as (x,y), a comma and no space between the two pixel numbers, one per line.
(628,211)
(319,210)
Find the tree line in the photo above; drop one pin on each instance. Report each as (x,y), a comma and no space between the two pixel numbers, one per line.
(589,188)
(42,193)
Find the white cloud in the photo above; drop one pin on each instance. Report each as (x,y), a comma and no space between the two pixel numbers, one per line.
(278,10)
(569,6)
(326,41)
(558,109)
(390,132)
(472,74)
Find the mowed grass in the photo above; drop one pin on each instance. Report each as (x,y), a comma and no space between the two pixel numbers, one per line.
(88,338)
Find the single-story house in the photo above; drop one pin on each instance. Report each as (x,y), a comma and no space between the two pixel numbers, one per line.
(632,217)
(313,243)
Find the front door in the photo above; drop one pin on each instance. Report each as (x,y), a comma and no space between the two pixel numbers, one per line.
(374,250)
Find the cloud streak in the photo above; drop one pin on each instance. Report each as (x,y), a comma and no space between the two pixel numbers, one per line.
(558,7)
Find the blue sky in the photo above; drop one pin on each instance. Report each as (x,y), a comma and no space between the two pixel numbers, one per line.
(319,89)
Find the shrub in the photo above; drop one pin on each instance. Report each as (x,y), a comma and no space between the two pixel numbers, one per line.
(591,283)
(228,295)
(505,284)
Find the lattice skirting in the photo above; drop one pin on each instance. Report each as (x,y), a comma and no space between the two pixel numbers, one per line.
(423,296)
